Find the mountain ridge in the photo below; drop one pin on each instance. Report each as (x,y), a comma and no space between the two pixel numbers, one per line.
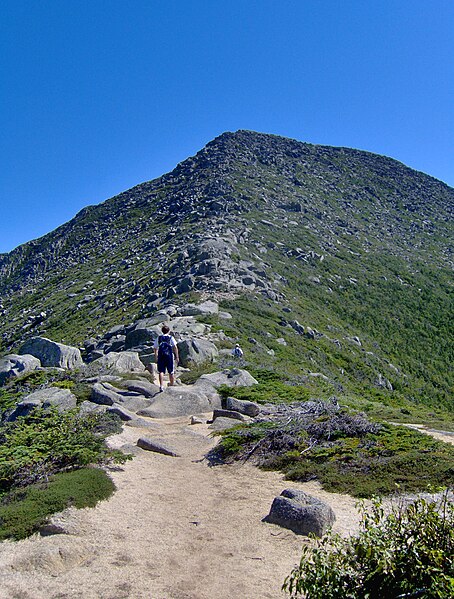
(337,236)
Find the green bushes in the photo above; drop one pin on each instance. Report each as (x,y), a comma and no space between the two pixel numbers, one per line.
(48,441)
(408,552)
(22,512)
(346,453)
(43,466)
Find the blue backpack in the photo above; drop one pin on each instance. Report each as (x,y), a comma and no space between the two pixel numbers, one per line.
(165,348)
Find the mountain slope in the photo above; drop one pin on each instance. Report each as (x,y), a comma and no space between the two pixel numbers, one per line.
(351,247)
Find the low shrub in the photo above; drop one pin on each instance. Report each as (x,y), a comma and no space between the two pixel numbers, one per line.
(408,552)
(47,441)
(24,511)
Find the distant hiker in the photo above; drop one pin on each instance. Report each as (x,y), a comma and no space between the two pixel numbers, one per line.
(237,351)
(166,356)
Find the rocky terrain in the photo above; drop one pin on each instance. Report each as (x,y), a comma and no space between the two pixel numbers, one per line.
(331,267)
(338,246)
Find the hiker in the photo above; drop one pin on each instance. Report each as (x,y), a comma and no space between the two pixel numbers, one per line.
(166,356)
(237,351)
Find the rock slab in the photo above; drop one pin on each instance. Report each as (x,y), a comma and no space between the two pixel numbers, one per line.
(52,354)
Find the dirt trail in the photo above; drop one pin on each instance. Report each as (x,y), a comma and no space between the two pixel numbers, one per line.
(175,529)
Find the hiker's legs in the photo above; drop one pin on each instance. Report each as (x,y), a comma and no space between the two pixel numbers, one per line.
(161,379)
(171,379)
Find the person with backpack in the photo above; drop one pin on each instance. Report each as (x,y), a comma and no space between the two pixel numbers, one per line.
(166,356)
(237,351)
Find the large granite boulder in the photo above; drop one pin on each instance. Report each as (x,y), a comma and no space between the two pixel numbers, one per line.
(62,399)
(115,363)
(14,365)
(145,331)
(52,354)
(300,512)
(187,326)
(207,307)
(235,377)
(196,351)
(108,395)
(143,387)
(179,401)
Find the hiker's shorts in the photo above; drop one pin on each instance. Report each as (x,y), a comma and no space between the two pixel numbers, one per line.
(166,363)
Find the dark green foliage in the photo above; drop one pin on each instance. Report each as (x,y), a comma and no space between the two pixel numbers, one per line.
(408,552)
(346,453)
(47,441)
(22,512)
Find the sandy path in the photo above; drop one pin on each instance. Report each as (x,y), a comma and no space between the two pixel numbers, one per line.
(175,529)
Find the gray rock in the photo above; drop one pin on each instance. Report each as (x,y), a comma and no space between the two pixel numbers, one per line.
(196,351)
(187,326)
(145,331)
(235,377)
(221,424)
(208,307)
(146,388)
(107,394)
(121,411)
(249,408)
(88,407)
(115,363)
(301,513)
(14,365)
(157,446)
(230,414)
(178,401)
(62,399)
(52,354)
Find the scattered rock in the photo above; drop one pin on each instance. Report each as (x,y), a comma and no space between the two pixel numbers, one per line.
(235,377)
(156,446)
(300,512)
(230,414)
(249,408)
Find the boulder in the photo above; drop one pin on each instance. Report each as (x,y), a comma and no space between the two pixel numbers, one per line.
(230,414)
(208,307)
(221,424)
(249,408)
(177,401)
(115,363)
(155,445)
(52,354)
(14,365)
(187,326)
(300,512)
(234,377)
(196,351)
(122,412)
(145,331)
(108,395)
(143,387)
(62,399)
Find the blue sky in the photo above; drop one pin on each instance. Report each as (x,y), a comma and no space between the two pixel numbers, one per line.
(99,95)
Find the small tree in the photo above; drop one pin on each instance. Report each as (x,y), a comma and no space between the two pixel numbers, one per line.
(405,553)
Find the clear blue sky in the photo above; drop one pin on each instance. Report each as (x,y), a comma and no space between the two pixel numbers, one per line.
(99,95)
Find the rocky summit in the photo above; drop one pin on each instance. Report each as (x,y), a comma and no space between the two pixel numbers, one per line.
(331,266)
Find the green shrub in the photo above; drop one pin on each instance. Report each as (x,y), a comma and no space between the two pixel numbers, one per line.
(47,441)
(408,552)
(23,512)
